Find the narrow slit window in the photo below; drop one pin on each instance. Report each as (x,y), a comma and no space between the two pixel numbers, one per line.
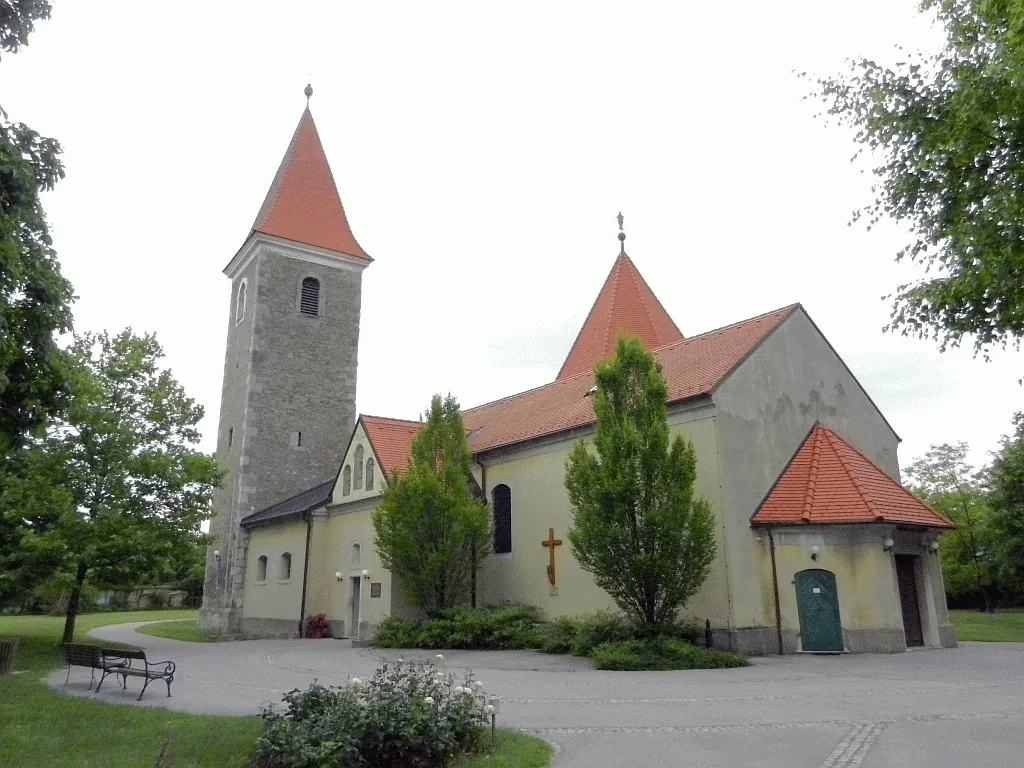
(231,436)
(357,475)
(240,303)
(370,467)
(261,568)
(346,481)
(309,300)
(286,567)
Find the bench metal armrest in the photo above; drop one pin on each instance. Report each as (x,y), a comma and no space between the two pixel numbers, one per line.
(168,666)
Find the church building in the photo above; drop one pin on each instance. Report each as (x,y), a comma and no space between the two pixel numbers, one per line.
(820,548)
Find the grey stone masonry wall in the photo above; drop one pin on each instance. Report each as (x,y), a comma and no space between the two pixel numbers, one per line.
(286,374)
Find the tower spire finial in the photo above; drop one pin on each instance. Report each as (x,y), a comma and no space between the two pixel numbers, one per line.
(308,90)
(622,236)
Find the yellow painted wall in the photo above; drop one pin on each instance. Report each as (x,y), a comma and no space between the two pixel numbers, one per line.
(536,478)
(865,574)
(275,598)
(344,530)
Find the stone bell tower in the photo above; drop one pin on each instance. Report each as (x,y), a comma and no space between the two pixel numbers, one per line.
(288,399)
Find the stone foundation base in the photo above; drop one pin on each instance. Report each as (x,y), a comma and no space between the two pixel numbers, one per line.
(874,640)
(947,637)
(269,629)
(223,620)
(754,641)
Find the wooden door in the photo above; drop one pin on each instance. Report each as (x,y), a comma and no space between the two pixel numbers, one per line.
(817,603)
(357,584)
(907,580)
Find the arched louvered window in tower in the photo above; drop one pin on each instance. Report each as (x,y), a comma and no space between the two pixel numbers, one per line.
(346,480)
(501,498)
(309,299)
(370,467)
(357,478)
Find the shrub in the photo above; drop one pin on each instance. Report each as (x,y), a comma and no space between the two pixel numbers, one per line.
(409,714)
(579,636)
(316,627)
(501,627)
(661,653)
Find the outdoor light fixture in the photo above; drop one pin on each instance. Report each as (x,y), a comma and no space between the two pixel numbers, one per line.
(338,576)
(216,553)
(814,552)
(492,708)
(889,544)
(934,546)
(366,574)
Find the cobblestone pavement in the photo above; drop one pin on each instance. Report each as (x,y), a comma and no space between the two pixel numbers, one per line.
(941,708)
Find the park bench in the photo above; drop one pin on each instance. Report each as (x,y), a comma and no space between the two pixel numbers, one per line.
(123,663)
(79,655)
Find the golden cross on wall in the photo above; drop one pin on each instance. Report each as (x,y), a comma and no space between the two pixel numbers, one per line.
(551,543)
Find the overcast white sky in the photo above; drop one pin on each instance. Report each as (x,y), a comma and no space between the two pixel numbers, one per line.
(482,152)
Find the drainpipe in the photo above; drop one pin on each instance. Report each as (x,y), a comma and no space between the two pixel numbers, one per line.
(472,581)
(775,584)
(305,570)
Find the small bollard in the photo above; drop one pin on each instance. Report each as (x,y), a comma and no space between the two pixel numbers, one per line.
(707,633)
(493,705)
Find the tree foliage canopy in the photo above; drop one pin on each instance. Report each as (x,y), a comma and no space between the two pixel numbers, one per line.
(430,530)
(34,298)
(637,526)
(948,132)
(945,479)
(115,490)
(1006,481)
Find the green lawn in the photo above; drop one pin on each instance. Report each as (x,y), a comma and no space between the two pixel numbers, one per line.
(43,729)
(1005,626)
(183,629)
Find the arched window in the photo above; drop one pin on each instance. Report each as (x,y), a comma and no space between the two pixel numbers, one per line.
(309,298)
(240,302)
(356,555)
(501,497)
(357,478)
(346,480)
(369,473)
(286,567)
(261,568)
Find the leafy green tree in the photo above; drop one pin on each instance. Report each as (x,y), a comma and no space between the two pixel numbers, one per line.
(952,486)
(34,298)
(947,132)
(637,526)
(430,530)
(1006,483)
(133,489)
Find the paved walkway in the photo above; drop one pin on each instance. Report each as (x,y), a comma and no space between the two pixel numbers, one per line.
(942,708)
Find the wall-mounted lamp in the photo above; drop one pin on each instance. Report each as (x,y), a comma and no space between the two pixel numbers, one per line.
(814,552)
(216,553)
(934,546)
(338,576)
(889,544)
(366,574)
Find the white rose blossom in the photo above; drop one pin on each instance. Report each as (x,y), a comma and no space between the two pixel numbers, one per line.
(355,682)
(440,657)
(429,700)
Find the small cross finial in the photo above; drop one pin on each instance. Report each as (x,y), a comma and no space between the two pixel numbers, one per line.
(622,236)
(308,90)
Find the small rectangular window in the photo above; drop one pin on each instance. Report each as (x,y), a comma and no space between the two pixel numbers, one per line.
(375,589)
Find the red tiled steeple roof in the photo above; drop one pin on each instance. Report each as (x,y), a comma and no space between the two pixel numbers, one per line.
(830,481)
(692,367)
(391,440)
(303,204)
(625,303)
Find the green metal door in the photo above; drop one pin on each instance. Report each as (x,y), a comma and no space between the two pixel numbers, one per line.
(817,603)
